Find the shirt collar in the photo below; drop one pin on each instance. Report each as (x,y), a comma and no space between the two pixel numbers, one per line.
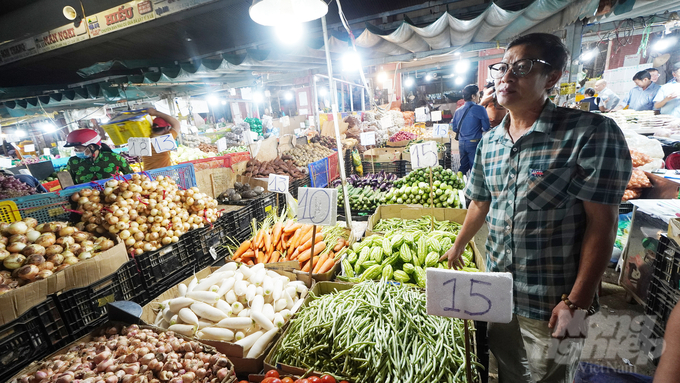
(542,124)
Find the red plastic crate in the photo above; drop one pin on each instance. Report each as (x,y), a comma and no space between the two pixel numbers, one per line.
(52,186)
(235,158)
(333,167)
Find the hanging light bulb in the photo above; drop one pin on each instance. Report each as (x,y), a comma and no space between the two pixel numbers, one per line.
(409,82)
(284,12)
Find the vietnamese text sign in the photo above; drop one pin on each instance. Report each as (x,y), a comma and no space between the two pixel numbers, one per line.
(367,138)
(278,183)
(61,37)
(424,155)
(468,295)
(164,143)
(317,206)
(168,7)
(139,146)
(126,15)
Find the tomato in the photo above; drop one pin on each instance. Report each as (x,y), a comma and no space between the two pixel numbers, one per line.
(327,379)
(303,381)
(314,379)
(287,379)
(271,379)
(272,374)
(243,381)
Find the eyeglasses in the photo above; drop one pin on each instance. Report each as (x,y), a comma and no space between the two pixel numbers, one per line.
(520,68)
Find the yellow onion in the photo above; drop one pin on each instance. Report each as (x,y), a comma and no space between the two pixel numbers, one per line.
(4,254)
(71,260)
(17,228)
(65,241)
(18,238)
(16,247)
(32,235)
(85,255)
(46,240)
(44,274)
(54,249)
(30,222)
(67,231)
(33,249)
(56,259)
(14,261)
(28,272)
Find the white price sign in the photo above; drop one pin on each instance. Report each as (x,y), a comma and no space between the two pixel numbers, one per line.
(221,145)
(46,151)
(424,155)
(440,130)
(367,138)
(5,163)
(436,115)
(317,206)
(479,296)
(278,183)
(164,143)
(139,146)
(29,148)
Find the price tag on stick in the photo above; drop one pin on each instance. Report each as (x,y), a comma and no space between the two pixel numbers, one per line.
(164,143)
(221,145)
(139,146)
(317,206)
(367,138)
(479,296)
(440,130)
(278,183)
(424,155)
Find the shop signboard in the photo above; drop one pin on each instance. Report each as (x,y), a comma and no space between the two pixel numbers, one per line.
(114,19)
(61,37)
(17,50)
(567,88)
(168,7)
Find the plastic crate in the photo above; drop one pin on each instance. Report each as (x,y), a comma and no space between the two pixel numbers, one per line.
(333,167)
(264,205)
(130,281)
(239,220)
(393,167)
(37,333)
(296,184)
(133,123)
(318,173)
(155,266)
(625,208)
(208,243)
(235,158)
(52,186)
(9,212)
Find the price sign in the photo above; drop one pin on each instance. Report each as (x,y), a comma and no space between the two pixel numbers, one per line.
(221,145)
(5,163)
(460,294)
(424,155)
(278,183)
(367,138)
(139,146)
(436,115)
(302,125)
(317,206)
(164,143)
(46,152)
(29,148)
(440,130)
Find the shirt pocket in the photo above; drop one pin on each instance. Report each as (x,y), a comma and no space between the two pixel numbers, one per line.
(549,191)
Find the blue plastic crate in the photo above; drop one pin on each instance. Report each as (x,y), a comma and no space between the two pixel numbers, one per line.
(318,173)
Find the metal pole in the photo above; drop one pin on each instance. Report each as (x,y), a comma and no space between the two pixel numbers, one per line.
(316,104)
(342,96)
(351,100)
(363,99)
(334,108)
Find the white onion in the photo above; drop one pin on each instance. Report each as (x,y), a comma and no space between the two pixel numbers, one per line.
(32,235)
(17,228)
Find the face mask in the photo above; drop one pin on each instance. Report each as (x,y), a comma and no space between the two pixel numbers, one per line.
(82,155)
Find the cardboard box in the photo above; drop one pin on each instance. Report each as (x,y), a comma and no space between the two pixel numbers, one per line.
(383,154)
(82,274)
(33,367)
(398,144)
(442,140)
(233,351)
(417,211)
(330,274)
(406,156)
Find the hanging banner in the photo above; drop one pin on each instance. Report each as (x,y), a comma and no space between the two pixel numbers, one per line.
(114,19)
(168,7)
(17,50)
(61,37)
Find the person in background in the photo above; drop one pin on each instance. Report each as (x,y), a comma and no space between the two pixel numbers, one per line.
(609,99)
(470,122)
(642,96)
(494,110)
(668,369)
(666,100)
(27,179)
(93,159)
(655,74)
(548,182)
(592,101)
(162,124)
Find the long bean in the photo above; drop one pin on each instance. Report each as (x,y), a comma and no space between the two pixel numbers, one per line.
(375,332)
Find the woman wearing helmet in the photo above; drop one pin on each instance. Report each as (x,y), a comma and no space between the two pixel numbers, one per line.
(93,160)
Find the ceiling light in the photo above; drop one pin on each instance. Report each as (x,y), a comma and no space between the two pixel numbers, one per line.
(47,127)
(457,53)
(284,12)
(408,82)
(462,66)
(213,100)
(20,133)
(257,97)
(351,62)
(224,102)
(589,55)
(323,92)
(664,44)
(459,80)
(288,96)
(70,13)
(289,34)
(382,77)
(428,77)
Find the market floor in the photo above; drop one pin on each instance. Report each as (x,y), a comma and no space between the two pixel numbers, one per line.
(612,340)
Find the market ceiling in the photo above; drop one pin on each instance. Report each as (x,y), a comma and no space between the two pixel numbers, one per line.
(156,53)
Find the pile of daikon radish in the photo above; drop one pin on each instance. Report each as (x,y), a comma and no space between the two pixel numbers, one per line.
(246,305)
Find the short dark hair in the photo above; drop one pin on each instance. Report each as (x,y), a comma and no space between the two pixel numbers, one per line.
(469,91)
(550,48)
(641,75)
(652,70)
(589,92)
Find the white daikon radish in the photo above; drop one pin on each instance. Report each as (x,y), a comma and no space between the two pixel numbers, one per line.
(235,323)
(291,290)
(244,313)
(249,341)
(182,288)
(283,279)
(184,329)
(296,283)
(289,300)
(259,290)
(253,327)
(243,300)
(227,285)
(257,303)
(267,285)
(167,314)
(159,318)
(258,268)
(174,319)
(258,277)
(286,314)
(239,335)
(262,320)
(215,333)
(179,303)
(238,276)
(206,311)
(164,304)
(240,288)
(251,292)
(224,307)
(297,305)
(187,316)
(280,305)
(204,296)
(192,285)
(230,297)
(246,271)
(204,324)
(273,274)
(301,289)
(164,324)
(231,266)
(236,308)
(214,288)
(278,320)
(262,343)
(205,284)
(277,291)
(268,311)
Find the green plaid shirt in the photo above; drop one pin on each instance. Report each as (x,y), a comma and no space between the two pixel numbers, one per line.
(537,187)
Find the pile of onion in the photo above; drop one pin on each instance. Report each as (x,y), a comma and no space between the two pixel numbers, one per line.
(29,252)
(145,214)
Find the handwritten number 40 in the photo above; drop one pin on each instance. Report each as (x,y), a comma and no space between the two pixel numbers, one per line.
(472,294)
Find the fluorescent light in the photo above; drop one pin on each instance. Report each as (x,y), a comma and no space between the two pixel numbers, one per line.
(462,66)
(351,62)
(323,92)
(257,97)
(20,133)
(290,33)
(589,55)
(408,82)
(664,44)
(285,12)
(459,80)
(47,127)
(213,100)
(428,77)
(224,102)
(382,77)
(288,96)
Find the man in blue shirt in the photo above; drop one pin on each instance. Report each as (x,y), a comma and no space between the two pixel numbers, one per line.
(667,99)
(473,122)
(642,96)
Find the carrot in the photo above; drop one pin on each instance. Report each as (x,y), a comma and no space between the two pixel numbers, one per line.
(305,255)
(308,244)
(339,245)
(275,257)
(293,242)
(276,232)
(292,228)
(242,249)
(306,229)
(237,259)
(267,240)
(248,254)
(306,266)
(327,266)
(258,255)
(267,256)
(250,262)
(307,236)
(258,238)
(317,265)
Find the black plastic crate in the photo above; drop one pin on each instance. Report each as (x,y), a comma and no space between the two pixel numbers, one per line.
(376,167)
(294,185)
(625,208)
(84,308)
(208,243)
(264,205)
(238,220)
(34,335)
(667,262)
(171,281)
(130,283)
(155,266)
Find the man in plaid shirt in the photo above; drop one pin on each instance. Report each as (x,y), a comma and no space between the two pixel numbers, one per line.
(548,182)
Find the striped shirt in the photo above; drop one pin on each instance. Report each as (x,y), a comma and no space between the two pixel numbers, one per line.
(536,187)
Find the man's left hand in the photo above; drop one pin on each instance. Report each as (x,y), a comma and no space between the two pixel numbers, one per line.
(567,323)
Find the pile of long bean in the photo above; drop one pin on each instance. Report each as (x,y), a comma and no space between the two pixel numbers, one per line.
(376,332)
(423,223)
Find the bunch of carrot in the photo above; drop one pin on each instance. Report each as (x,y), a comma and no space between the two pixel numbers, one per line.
(279,241)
